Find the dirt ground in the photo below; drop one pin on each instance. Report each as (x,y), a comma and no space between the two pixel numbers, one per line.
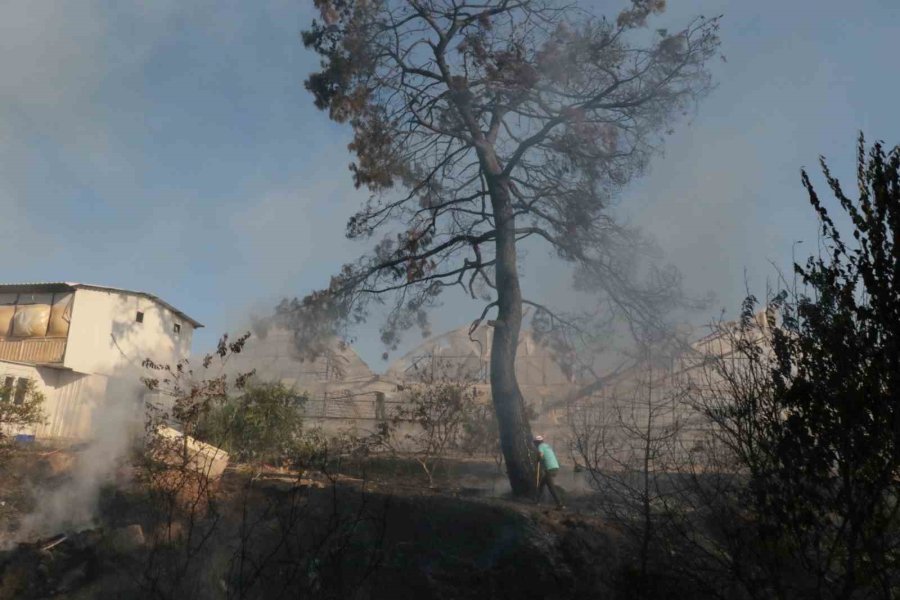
(372,532)
(24,472)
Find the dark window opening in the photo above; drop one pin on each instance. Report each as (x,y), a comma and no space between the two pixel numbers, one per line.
(139,317)
(21,389)
(6,391)
(177,328)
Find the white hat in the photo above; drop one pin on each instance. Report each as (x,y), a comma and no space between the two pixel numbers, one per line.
(539,438)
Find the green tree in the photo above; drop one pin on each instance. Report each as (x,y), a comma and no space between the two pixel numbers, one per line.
(478,126)
(21,406)
(263,424)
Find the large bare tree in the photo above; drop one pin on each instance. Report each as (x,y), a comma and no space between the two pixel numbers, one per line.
(478,125)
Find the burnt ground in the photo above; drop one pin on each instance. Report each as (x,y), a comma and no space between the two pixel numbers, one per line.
(275,535)
(25,471)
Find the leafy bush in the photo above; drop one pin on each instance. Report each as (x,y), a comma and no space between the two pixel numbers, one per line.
(811,412)
(830,485)
(20,408)
(262,425)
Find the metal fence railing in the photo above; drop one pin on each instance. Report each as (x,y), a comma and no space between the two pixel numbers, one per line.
(364,406)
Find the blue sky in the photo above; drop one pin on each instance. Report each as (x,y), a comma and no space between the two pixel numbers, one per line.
(170,146)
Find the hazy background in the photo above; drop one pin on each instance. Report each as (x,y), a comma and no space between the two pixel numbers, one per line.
(170,147)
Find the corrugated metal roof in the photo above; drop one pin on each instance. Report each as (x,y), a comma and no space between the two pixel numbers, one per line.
(67,285)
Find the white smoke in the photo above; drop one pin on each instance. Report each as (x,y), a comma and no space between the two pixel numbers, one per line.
(116,419)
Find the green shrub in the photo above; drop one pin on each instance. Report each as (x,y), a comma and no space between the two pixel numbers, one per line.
(20,408)
(262,425)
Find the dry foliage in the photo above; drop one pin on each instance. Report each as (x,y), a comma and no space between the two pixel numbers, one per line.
(481,128)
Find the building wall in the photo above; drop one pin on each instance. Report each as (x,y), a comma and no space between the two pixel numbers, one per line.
(105,338)
(44,379)
(69,399)
(70,405)
(103,355)
(456,354)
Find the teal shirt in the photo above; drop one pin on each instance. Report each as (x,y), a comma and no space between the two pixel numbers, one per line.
(549,457)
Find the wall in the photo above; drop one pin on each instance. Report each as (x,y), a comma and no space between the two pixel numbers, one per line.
(70,406)
(44,379)
(69,402)
(456,354)
(105,349)
(105,338)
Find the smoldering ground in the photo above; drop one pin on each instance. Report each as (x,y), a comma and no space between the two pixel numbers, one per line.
(68,499)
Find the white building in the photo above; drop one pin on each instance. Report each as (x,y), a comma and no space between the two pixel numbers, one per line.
(82,344)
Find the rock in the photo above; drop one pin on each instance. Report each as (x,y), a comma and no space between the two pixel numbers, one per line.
(72,578)
(126,539)
(205,459)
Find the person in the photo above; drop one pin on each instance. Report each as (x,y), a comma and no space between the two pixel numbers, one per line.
(548,466)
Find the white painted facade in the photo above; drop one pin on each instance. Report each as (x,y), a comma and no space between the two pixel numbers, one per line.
(110,333)
(105,337)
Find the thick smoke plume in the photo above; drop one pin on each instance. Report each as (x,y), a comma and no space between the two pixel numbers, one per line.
(116,420)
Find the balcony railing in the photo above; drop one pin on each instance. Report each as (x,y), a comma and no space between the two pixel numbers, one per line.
(33,350)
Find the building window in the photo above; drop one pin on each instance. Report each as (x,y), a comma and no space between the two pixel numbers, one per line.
(176,328)
(6,391)
(139,317)
(21,390)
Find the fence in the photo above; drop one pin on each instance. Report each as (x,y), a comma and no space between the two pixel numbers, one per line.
(363,406)
(360,406)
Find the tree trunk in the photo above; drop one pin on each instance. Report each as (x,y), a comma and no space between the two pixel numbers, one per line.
(515,430)
(512,421)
